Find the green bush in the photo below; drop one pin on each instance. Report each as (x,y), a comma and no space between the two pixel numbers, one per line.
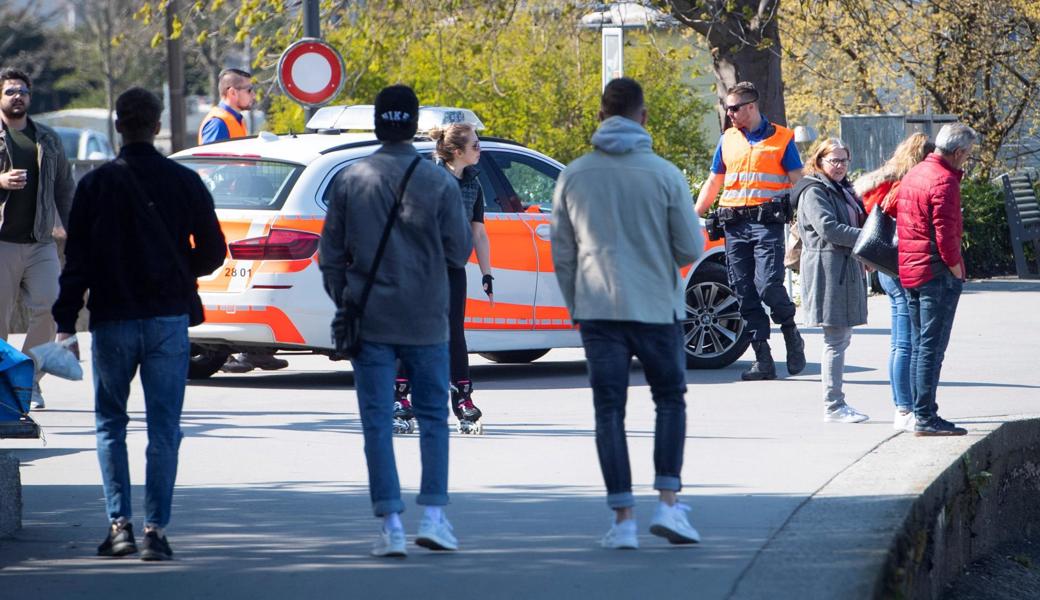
(987,241)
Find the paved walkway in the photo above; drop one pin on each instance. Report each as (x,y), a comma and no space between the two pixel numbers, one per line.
(272,497)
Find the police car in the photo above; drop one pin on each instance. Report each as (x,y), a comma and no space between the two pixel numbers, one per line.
(271,195)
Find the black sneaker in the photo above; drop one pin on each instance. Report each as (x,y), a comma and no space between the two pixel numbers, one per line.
(937,426)
(120,541)
(795,349)
(154,547)
(763,367)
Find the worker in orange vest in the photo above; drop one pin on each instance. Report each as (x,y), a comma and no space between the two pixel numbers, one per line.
(225,120)
(756,163)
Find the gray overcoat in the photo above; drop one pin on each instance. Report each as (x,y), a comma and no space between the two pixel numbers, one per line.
(834,288)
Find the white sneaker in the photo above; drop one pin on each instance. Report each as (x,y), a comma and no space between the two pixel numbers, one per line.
(671,523)
(390,543)
(904,421)
(36,402)
(621,536)
(436,535)
(845,414)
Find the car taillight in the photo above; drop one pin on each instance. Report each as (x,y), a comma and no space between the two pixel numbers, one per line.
(280,244)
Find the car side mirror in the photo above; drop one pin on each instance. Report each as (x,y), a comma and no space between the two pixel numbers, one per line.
(96,155)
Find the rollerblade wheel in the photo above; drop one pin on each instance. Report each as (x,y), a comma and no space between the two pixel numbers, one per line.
(470,427)
(402,426)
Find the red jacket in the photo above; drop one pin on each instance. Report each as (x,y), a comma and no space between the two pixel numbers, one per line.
(877,194)
(929,221)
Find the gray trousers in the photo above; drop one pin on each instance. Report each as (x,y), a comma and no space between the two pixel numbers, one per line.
(832,365)
(33,269)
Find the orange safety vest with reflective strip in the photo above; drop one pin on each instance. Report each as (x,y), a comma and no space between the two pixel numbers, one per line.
(235,129)
(754,173)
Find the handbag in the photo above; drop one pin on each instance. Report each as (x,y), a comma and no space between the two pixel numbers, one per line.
(151,220)
(878,244)
(346,325)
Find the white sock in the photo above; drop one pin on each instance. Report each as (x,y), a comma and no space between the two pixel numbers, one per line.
(434,513)
(665,506)
(392,521)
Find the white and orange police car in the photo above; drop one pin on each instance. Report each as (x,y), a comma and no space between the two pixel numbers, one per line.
(271,191)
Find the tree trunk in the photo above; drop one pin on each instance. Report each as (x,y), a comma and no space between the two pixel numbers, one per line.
(742,49)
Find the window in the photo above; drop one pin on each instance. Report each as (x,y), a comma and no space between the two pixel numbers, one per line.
(245,184)
(532,180)
(93,147)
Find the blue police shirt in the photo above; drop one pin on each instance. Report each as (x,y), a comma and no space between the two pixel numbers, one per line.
(215,130)
(790,162)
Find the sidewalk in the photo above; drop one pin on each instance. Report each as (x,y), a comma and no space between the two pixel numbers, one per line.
(272,490)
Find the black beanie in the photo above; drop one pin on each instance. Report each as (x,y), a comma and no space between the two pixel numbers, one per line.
(397,114)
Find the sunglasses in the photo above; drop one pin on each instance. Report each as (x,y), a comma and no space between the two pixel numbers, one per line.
(732,108)
(16,92)
(245,89)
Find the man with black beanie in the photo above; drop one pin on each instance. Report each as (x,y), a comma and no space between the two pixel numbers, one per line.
(406,314)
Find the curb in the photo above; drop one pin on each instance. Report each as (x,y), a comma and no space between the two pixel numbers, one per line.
(906,518)
(10,495)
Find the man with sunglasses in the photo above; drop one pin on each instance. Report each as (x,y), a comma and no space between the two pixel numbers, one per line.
(225,121)
(756,163)
(35,187)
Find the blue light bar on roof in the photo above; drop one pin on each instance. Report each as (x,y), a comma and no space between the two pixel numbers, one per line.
(361,117)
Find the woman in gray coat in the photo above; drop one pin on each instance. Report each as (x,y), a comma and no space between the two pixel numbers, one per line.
(834,288)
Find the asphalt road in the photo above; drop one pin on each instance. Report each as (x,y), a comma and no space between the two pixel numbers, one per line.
(272,489)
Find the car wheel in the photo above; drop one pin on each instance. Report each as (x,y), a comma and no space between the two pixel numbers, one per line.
(205,361)
(514,356)
(713,332)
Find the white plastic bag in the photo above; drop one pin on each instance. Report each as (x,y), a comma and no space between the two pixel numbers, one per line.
(56,359)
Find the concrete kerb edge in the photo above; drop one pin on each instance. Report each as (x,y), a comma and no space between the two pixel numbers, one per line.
(906,518)
(985,498)
(10,495)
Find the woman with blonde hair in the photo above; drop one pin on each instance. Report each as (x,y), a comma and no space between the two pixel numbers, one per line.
(834,286)
(458,151)
(879,188)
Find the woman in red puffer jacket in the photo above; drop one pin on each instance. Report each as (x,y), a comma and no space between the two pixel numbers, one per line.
(878,188)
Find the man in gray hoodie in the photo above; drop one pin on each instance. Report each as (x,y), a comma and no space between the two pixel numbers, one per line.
(406,317)
(623,226)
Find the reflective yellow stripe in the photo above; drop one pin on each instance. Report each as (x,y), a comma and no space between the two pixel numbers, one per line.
(744,194)
(732,178)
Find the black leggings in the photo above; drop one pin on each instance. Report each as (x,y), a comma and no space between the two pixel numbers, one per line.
(457,349)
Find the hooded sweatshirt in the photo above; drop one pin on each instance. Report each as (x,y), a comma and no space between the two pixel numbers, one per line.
(622,227)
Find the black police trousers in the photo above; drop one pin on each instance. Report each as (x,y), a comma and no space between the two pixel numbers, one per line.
(755,259)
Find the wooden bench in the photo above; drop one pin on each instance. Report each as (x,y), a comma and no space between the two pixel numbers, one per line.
(1023,213)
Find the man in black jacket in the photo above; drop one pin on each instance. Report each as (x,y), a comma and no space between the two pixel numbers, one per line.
(130,244)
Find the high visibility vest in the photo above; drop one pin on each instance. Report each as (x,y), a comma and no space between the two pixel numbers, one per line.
(754,174)
(234,127)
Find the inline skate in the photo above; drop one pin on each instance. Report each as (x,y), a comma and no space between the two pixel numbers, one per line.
(462,405)
(404,418)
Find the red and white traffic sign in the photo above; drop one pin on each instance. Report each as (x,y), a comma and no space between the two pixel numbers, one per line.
(310,72)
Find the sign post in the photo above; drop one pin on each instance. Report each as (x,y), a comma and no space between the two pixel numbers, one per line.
(311,72)
(613,54)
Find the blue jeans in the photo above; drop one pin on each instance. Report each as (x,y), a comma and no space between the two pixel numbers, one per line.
(375,367)
(755,259)
(609,348)
(159,346)
(902,349)
(932,307)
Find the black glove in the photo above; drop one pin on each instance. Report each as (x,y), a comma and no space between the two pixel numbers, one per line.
(486,282)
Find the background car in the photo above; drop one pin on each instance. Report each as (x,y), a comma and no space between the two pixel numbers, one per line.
(271,194)
(85,144)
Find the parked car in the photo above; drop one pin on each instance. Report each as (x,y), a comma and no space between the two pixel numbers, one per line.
(271,190)
(85,144)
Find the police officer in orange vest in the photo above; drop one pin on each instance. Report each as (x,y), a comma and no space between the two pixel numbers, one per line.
(755,166)
(225,120)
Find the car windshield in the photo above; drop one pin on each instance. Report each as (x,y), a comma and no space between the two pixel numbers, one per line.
(70,142)
(245,184)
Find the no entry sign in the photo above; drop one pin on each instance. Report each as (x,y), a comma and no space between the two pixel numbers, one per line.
(310,72)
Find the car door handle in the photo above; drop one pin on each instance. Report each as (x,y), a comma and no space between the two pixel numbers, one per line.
(544,231)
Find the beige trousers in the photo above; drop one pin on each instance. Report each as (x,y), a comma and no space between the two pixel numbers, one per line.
(33,269)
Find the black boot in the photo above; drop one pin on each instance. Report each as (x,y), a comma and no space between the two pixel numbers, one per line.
(763,367)
(795,348)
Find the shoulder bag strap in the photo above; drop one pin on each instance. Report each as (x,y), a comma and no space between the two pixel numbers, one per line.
(390,220)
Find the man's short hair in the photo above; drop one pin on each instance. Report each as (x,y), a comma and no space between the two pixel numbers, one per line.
(746,90)
(623,97)
(138,112)
(954,136)
(229,77)
(9,73)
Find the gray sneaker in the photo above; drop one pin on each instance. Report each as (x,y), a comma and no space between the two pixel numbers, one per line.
(671,523)
(36,402)
(391,544)
(436,535)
